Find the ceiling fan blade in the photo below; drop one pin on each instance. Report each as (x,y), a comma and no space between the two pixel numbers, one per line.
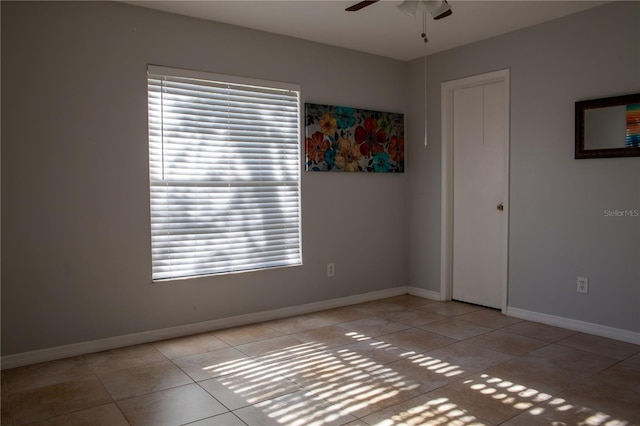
(360,5)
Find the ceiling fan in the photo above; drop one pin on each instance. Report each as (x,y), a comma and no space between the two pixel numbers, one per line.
(360,5)
(438,8)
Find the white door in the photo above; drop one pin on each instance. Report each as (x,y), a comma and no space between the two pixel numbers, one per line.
(479,193)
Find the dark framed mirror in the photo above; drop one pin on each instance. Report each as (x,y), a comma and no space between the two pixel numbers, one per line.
(608,127)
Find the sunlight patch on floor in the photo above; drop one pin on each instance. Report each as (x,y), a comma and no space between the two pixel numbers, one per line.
(341,384)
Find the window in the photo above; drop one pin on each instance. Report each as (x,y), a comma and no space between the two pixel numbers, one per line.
(224,173)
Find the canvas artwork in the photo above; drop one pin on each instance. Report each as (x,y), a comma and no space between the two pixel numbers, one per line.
(344,139)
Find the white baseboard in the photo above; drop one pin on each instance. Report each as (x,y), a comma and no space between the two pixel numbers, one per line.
(82,348)
(571,324)
(421,292)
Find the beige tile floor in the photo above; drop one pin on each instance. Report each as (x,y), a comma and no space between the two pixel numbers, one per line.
(398,361)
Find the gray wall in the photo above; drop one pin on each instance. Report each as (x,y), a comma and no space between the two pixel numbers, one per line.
(558,225)
(75,210)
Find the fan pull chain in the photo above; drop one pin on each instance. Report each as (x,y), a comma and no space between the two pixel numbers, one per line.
(425,101)
(424,28)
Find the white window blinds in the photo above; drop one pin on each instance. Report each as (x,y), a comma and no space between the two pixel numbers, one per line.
(224,173)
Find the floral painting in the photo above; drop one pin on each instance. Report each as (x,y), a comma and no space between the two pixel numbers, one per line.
(343,139)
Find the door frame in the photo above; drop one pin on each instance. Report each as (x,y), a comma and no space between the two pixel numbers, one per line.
(446,229)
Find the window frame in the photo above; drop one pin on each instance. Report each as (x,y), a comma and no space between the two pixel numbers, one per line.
(288,175)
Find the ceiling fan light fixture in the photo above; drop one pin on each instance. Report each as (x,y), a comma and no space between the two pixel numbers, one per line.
(438,8)
(409,7)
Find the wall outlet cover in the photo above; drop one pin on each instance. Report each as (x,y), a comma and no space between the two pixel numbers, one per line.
(583,285)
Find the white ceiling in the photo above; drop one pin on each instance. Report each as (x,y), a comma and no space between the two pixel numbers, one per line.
(381,28)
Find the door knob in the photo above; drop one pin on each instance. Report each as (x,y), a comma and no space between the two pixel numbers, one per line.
(500,207)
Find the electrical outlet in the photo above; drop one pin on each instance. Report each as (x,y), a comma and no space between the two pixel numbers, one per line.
(331,269)
(583,285)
